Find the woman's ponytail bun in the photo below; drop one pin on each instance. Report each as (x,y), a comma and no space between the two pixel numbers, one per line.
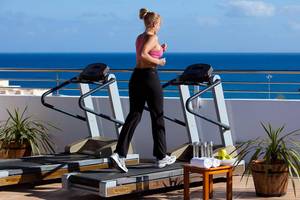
(143,13)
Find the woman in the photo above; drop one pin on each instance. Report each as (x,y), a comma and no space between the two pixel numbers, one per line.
(144,86)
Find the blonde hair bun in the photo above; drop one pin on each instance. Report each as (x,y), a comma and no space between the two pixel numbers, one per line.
(143,13)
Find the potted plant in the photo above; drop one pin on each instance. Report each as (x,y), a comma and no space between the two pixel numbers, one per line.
(21,135)
(273,160)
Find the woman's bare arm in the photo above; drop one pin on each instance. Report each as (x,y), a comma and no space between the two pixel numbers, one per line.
(148,46)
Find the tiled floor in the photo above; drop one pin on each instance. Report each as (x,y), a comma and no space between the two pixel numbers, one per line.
(53,191)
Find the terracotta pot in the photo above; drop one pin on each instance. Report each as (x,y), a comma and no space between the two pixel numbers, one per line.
(15,150)
(270,180)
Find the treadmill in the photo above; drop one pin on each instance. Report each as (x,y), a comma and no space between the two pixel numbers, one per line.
(145,176)
(87,154)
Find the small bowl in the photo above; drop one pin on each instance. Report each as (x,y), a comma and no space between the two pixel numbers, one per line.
(228,162)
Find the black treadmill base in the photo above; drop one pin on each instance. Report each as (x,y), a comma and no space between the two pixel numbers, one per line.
(94,177)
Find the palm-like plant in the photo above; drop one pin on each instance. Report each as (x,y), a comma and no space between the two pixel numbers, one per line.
(276,148)
(20,129)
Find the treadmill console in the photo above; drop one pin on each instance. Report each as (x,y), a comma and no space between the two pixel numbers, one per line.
(194,74)
(96,72)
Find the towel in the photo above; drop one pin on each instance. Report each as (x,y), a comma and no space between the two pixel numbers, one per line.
(3,173)
(215,162)
(202,162)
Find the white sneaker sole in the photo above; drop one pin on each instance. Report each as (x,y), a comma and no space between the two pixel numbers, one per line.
(166,164)
(118,164)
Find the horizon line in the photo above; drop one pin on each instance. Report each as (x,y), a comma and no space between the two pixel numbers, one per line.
(124,52)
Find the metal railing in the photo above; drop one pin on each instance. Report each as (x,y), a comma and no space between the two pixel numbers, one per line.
(262,84)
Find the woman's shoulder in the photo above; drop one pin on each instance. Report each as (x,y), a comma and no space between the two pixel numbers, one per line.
(139,36)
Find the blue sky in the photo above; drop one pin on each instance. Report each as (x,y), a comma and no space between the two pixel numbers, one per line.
(112,25)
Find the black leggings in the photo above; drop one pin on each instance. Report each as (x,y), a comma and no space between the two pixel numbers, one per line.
(144,86)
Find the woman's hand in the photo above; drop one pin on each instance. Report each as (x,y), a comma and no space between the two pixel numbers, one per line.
(164,47)
(162,61)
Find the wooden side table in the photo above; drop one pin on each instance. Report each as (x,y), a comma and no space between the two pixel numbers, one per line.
(207,180)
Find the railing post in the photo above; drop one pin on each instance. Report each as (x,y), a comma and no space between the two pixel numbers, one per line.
(57,83)
(196,103)
(269,77)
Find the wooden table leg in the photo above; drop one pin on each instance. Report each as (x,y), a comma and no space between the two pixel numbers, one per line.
(211,186)
(205,186)
(229,185)
(186,182)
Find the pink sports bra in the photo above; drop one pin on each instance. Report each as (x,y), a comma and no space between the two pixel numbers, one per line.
(139,45)
(157,54)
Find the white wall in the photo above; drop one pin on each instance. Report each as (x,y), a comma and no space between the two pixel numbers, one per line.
(244,116)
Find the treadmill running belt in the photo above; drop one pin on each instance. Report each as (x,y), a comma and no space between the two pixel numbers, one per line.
(93,178)
(44,163)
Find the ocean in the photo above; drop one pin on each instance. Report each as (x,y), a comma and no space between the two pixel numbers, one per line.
(219,61)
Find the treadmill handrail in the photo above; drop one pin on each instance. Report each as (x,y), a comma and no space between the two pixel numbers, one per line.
(189,109)
(99,87)
(168,83)
(43,100)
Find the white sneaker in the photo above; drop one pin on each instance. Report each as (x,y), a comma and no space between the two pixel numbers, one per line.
(119,162)
(168,160)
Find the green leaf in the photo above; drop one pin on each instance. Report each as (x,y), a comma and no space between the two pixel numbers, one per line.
(275,147)
(21,128)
